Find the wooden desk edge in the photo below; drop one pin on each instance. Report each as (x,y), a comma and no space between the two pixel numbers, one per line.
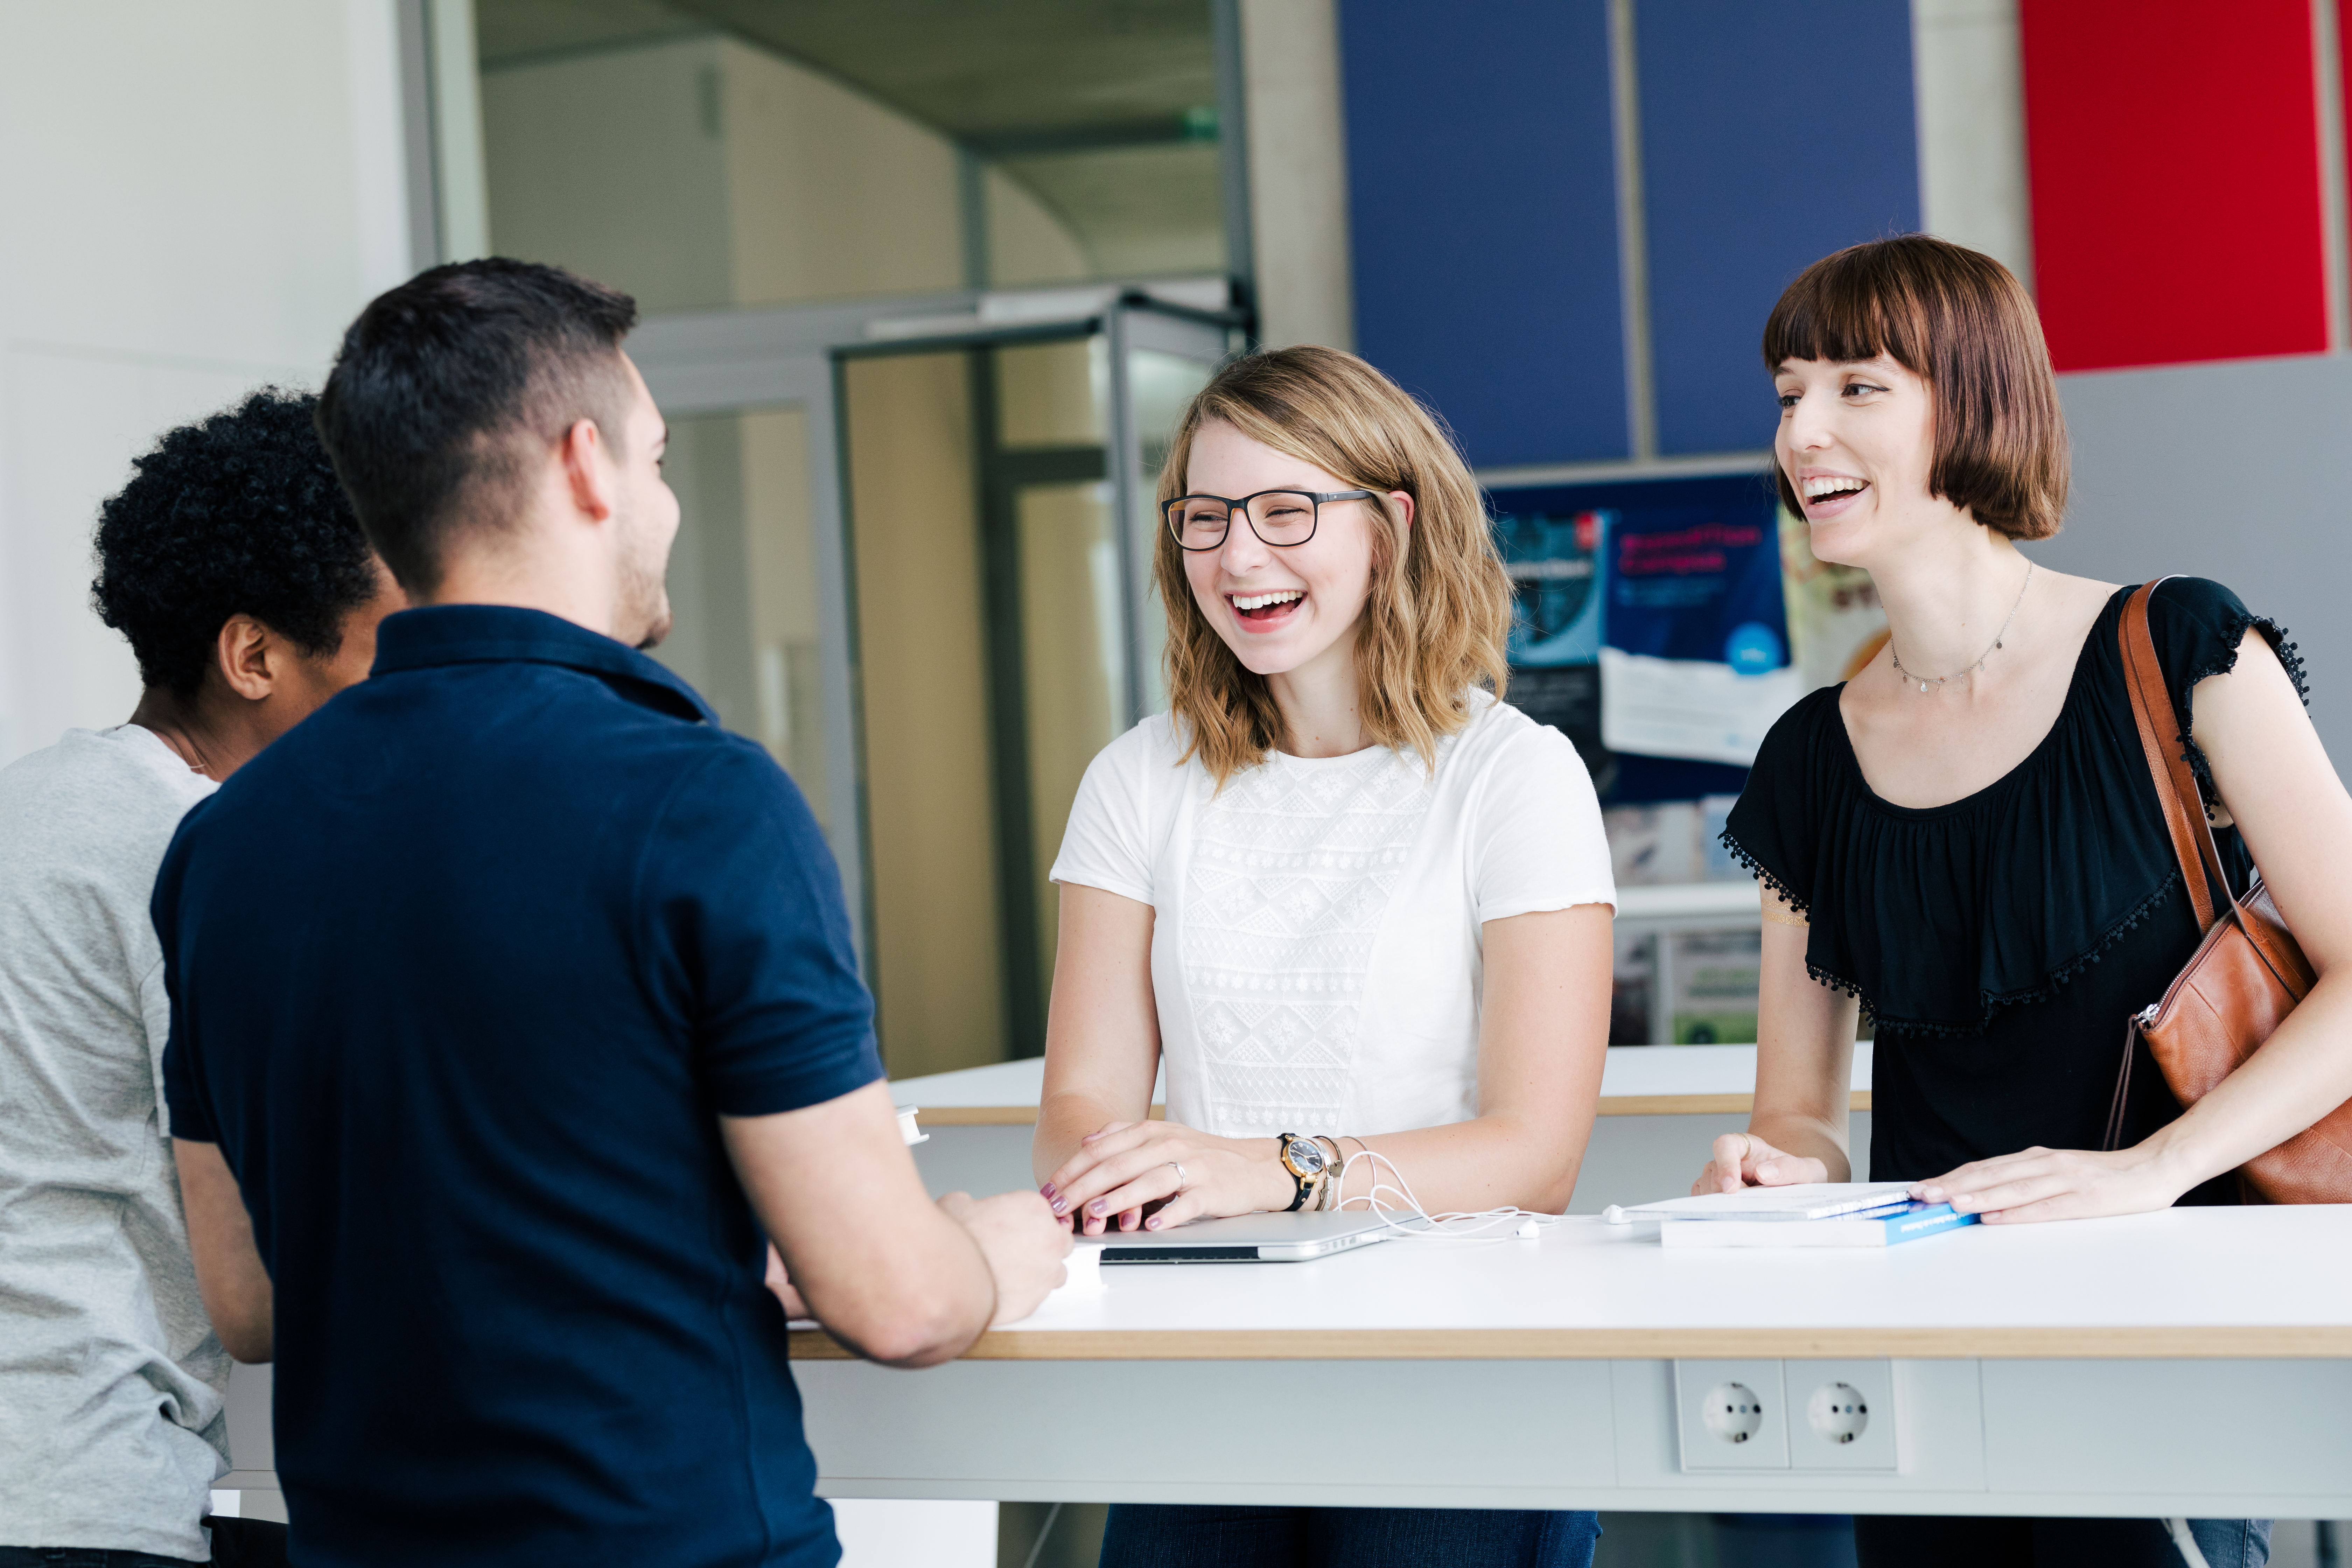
(2329,1342)
(1610,1105)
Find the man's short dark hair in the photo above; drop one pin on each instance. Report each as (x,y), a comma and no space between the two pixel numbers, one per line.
(447,386)
(237,514)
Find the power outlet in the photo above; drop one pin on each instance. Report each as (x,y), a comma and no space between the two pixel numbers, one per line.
(1732,1414)
(1840,1415)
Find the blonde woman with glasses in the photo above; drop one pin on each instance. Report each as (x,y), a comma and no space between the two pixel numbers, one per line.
(1346,896)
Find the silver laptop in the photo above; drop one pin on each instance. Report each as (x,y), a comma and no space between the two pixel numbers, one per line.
(1251,1238)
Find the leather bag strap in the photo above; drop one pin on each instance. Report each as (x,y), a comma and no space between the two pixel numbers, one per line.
(2119,1105)
(2176,785)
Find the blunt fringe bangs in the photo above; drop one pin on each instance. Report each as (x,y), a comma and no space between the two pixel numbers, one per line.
(1961,321)
(1439,606)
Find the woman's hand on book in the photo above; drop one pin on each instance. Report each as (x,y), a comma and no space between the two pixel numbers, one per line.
(1744,1160)
(1127,1174)
(2058,1184)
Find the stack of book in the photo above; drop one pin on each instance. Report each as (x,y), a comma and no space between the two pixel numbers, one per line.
(1817,1214)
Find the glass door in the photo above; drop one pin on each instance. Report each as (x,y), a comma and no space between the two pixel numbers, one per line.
(743,582)
(916,566)
(999,521)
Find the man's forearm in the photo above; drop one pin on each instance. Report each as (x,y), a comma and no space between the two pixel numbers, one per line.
(914,1316)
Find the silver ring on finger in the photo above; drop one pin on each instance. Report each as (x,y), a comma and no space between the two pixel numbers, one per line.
(1180,1176)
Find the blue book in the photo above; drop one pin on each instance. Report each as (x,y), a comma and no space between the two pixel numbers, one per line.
(1888,1228)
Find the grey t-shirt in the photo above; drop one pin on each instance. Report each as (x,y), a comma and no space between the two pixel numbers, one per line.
(110,1380)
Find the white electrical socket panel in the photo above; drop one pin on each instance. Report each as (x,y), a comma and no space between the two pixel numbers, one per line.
(1732,1414)
(1840,1415)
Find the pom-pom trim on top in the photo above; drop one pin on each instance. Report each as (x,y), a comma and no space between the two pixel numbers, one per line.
(1756,868)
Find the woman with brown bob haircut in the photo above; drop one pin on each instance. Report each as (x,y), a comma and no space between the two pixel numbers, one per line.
(1346,896)
(1964,840)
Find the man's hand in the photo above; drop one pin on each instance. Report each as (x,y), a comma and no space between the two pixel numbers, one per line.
(1023,1242)
(780,1285)
(868,1254)
(1744,1160)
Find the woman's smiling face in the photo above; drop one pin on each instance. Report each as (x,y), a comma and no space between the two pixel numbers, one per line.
(1279,609)
(1857,441)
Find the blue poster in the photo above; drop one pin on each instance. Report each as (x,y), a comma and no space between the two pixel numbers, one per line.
(1700,582)
(1696,663)
(1666,657)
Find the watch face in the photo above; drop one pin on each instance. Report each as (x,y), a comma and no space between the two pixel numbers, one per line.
(1306,1155)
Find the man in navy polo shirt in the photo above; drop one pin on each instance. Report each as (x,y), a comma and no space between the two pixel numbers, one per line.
(498,986)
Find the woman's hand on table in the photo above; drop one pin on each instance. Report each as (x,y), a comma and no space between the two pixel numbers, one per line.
(1128,1166)
(1744,1160)
(2058,1183)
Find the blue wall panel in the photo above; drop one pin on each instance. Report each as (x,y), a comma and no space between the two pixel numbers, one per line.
(1483,207)
(1773,131)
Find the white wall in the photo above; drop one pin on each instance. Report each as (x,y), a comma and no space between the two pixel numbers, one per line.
(199,198)
(614,165)
(1027,244)
(701,172)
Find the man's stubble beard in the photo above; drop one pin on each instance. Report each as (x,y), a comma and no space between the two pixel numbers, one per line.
(645,590)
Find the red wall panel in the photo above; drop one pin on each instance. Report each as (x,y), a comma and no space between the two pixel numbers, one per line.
(2173,148)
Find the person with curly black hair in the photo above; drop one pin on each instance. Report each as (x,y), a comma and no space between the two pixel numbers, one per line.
(234,564)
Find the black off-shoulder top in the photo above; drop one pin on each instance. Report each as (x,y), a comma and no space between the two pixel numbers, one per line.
(1999,943)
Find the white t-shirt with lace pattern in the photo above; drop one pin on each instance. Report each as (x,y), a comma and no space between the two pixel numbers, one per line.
(1317,951)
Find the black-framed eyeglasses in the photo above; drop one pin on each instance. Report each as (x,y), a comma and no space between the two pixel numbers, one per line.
(1279,517)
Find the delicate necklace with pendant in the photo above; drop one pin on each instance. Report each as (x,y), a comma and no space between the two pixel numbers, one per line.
(1938,680)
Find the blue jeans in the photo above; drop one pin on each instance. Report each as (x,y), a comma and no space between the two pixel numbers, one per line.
(1887,1541)
(1154,1535)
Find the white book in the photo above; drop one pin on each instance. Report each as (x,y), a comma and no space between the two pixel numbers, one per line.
(1803,1201)
(1912,1222)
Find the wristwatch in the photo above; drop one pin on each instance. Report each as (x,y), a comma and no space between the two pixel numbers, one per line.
(1307,1164)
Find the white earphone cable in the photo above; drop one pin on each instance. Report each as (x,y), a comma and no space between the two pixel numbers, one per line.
(1401,1212)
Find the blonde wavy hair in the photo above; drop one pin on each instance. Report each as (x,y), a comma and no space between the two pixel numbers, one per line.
(1433,624)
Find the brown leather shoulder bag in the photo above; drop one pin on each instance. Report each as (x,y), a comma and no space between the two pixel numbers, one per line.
(2246,975)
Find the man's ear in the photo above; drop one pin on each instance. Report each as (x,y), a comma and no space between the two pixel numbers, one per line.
(588,469)
(250,657)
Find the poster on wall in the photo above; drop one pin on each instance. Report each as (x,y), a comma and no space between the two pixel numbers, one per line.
(1695,659)
(1836,625)
(1553,559)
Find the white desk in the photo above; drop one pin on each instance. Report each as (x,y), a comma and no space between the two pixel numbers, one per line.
(2194,1361)
(1661,1108)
